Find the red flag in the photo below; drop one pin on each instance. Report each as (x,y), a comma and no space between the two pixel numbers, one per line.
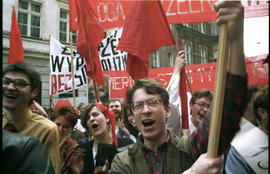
(146,29)
(15,42)
(183,93)
(73,15)
(89,37)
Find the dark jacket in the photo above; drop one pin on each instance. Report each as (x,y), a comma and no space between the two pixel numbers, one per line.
(105,151)
(24,155)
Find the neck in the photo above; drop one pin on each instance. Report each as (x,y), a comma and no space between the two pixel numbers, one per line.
(153,145)
(14,114)
(195,123)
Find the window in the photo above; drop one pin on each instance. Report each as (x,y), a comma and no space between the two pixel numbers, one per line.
(203,54)
(63,29)
(187,25)
(188,50)
(201,26)
(29,18)
(74,37)
(155,59)
(170,57)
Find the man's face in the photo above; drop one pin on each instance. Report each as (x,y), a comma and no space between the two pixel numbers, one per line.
(199,110)
(150,116)
(17,98)
(115,106)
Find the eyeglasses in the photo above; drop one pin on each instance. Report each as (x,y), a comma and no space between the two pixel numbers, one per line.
(18,83)
(203,105)
(150,103)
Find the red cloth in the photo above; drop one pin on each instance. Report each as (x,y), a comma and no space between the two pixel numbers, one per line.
(15,42)
(183,93)
(146,29)
(62,103)
(9,127)
(109,114)
(89,37)
(73,15)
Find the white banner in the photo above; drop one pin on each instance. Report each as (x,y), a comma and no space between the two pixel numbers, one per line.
(110,58)
(60,68)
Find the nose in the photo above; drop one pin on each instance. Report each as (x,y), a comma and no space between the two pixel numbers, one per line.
(11,85)
(146,108)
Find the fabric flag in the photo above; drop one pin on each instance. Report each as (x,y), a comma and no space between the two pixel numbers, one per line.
(89,37)
(73,15)
(145,30)
(15,42)
(183,93)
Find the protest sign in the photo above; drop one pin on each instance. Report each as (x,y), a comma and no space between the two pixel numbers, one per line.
(60,68)
(110,58)
(200,76)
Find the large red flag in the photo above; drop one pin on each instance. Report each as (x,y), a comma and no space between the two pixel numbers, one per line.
(146,29)
(89,37)
(73,15)
(15,42)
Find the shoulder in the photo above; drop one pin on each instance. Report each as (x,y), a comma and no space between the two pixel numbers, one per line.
(42,122)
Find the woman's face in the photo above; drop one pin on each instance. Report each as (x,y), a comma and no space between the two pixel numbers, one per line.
(97,123)
(63,125)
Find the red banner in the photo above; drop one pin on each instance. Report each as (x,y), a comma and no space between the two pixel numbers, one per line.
(112,13)
(200,76)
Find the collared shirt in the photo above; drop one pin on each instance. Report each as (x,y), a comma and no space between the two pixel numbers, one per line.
(31,124)
(156,161)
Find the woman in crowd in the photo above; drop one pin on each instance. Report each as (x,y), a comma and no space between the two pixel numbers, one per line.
(100,122)
(65,118)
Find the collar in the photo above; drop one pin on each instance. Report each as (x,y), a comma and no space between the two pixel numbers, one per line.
(161,148)
(19,123)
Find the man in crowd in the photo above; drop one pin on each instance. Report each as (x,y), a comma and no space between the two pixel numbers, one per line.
(199,103)
(20,87)
(158,150)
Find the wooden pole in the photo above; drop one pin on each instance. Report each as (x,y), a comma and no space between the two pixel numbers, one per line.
(87,87)
(72,69)
(219,91)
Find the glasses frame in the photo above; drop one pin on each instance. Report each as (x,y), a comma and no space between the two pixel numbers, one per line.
(15,83)
(203,105)
(146,102)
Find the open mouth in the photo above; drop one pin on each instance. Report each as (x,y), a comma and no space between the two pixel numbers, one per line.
(94,126)
(147,123)
(10,96)
(201,116)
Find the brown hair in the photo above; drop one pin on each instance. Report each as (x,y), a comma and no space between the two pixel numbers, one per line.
(151,86)
(68,112)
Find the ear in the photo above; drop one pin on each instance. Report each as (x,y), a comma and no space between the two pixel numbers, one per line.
(34,93)
(262,113)
(168,111)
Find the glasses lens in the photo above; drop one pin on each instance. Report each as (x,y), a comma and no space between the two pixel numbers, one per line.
(20,83)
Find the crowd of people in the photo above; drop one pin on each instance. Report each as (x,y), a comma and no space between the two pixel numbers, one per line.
(143,135)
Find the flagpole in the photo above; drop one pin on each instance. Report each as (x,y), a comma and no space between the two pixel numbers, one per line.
(219,92)
(87,87)
(72,69)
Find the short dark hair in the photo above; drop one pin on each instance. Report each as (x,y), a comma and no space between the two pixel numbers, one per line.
(28,70)
(261,101)
(85,115)
(201,93)
(68,112)
(151,86)
(113,100)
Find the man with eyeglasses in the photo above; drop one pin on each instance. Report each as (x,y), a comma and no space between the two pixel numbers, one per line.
(20,86)
(199,107)
(157,149)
